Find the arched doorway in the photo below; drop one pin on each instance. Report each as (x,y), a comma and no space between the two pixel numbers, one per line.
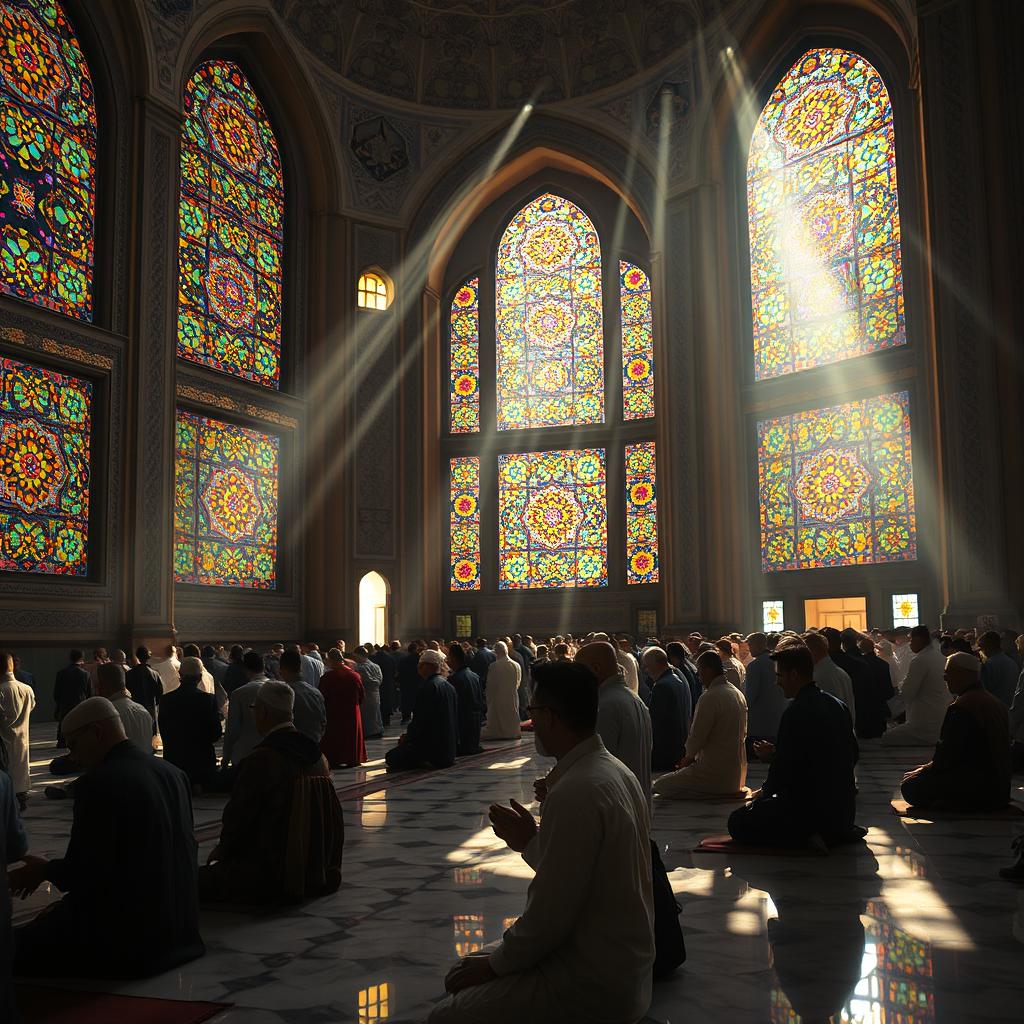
(373,609)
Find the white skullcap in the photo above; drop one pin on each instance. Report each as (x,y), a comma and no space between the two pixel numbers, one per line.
(961,659)
(191,668)
(95,709)
(278,696)
(435,658)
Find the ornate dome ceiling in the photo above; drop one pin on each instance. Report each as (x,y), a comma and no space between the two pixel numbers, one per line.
(480,54)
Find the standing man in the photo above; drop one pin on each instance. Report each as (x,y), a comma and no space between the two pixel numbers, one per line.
(144,683)
(481,661)
(999,671)
(72,686)
(240,733)
(766,703)
(466,684)
(671,711)
(923,694)
(343,693)
(381,657)
(309,712)
(235,673)
(190,724)
(16,703)
(373,680)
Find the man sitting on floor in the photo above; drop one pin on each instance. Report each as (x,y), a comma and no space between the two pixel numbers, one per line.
(129,873)
(431,741)
(583,949)
(716,761)
(810,792)
(282,832)
(970,769)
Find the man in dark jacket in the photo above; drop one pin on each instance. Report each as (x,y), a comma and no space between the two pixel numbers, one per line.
(129,873)
(481,661)
(144,683)
(383,660)
(432,737)
(680,660)
(870,707)
(466,684)
(670,711)
(190,724)
(73,685)
(409,679)
(235,675)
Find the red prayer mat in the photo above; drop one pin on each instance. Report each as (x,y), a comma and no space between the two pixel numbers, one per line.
(59,1006)
(725,844)
(1010,812)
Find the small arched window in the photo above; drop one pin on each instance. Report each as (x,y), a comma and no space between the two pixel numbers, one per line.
(373,292)
(47,158)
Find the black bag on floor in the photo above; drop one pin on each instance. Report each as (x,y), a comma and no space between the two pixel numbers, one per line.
(669,948)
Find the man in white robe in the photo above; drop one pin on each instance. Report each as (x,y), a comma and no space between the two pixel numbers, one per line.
(503,678)
(716,759)
(924,694)
(17,699)
(828,676)
(583,950)
(167,668)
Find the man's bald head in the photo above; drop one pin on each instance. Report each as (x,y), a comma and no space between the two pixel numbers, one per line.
(599,657)
(655,662)
(110,679)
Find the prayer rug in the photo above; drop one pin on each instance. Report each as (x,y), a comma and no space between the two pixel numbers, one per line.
(725,844)
(59,1006)
(1009,812)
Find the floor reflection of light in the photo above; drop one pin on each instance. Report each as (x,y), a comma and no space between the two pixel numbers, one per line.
(374,1003)
(505,765)
(917,906)
(469,933)
(508,922)
(373,810)
(468,876)
(484,846)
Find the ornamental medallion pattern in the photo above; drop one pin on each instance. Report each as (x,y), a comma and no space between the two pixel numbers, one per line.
(464,523)
(464,361)
(641,513)
(637,342)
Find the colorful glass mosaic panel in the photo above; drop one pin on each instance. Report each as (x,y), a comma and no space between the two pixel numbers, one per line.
(825,268)
(45,422)
(225,504)
(552,520)
(47,159)
(464,394)
(836,486)
(464,523)
(774,619)
(637,343)
(550,332)
(231,229)
(905,610)
(641,514)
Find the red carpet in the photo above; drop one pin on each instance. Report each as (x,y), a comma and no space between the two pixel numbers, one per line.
(57,1006)
(1011,812)
(723,844)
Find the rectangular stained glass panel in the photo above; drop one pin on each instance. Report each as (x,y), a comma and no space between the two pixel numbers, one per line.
(836,486)
(774,620)
(641,514)
(45,422)
(225,504)
(637,342)
(464,392)
(464,523)
(904,610)
(552,520)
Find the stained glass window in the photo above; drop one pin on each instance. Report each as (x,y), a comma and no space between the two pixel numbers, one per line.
(836,486)
(552,520)
(464,523)
(47,159)
(231,228)
(641,514)
(45,421)
(550,335)
(774,620)
(637,343)
(904,610)
(464,394)
(825,269)
(225,504)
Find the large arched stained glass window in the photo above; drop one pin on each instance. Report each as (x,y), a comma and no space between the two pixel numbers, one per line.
(825,269)
(47,159)
(231,228)
(550,336)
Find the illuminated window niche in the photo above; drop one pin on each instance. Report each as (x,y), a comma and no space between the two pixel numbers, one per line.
(464,350)
(825,267)
(225,504)
(637,342)
(905,610)
(231,229)
(47,160)
(641,514)
(372,291)
(464,523)
(772,614)
(552,520)
(549,330)
(836,486)
(45,425)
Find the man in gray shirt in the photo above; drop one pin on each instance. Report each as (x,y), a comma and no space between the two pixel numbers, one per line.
(310,712)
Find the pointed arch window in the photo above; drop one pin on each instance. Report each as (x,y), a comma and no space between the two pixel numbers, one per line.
(47,160)
(231,228)
(825,265)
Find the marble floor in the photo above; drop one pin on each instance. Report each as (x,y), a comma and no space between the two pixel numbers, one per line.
(915,928)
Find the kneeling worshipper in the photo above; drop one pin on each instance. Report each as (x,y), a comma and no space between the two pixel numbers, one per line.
(466,684)
(431,741)
(924,694)
(810,793)
(282,832)
(583,950)
(343,692)
(502,697)
(130,907)
(970,769)
(716,759)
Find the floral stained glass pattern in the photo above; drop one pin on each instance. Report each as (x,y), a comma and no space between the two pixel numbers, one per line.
(637,343)
(464,523)
(45,423)
(47,159)
(231,229)
(836,486)
(825,267)
(774,617)
(904,610)
(552,520)
(641,514)
(464,395)
(225,504)
(550,333)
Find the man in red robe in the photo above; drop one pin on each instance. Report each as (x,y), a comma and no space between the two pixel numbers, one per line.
(343,692)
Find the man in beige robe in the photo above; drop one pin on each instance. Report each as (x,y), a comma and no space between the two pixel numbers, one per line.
(716,761)
(17,700)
